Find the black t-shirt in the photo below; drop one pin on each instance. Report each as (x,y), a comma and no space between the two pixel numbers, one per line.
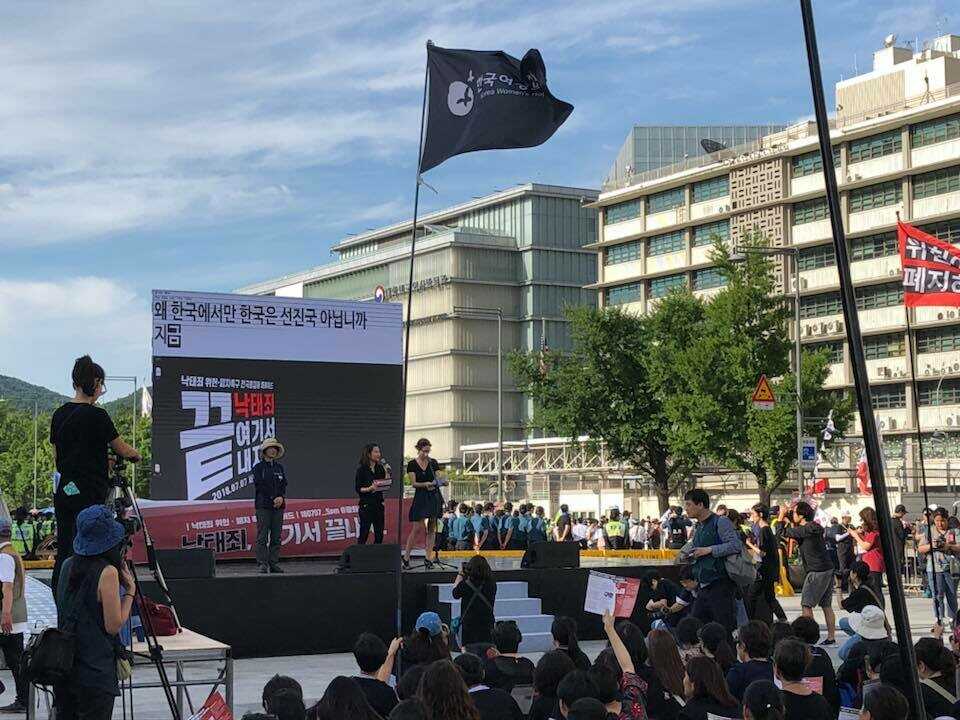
(661,704)
(564,522)
(543,708)
(822,666)
(858,600)
(698,709)
(365,477)
(507,672)
(807,707)
(677,527)
(381,696)
(81,433)
(423,476)
(495,704)
(770,563)
(813,550)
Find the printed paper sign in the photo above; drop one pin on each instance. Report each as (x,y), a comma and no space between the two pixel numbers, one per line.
(610,593)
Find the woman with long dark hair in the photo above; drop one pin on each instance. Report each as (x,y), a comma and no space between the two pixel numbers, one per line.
(564,631)
(372,476)
(343,698)
(89,606)
(715,641)
(553,667)
(445,694)
(427,504)
(663,674)
(706,691)
(868,540)
(761,600)
(476,590)
(80,433)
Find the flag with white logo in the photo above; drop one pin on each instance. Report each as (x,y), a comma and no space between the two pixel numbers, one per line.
(486,100)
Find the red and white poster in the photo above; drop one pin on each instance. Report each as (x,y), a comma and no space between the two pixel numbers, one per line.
(611,593)
(213,708)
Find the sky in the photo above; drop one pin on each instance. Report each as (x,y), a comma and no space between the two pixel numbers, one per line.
(205,146)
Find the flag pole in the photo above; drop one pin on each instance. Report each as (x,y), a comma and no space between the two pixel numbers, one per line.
(871,437)
(911,345)
(406,346)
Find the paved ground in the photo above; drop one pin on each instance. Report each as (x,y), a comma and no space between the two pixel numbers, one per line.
(315,671)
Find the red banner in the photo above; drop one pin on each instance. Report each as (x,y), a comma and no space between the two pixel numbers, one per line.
(310,527)
(931,268)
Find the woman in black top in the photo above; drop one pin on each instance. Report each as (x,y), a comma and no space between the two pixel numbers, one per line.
(564,631)
(476,590)
(706,692)
(427,504)
(761,600)
(372,477)
(80,434)
(550,670)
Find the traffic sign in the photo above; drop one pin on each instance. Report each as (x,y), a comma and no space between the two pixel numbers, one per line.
(763,398)
(379,294)
(808,453)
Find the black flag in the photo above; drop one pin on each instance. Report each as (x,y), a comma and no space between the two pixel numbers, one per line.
(484,100)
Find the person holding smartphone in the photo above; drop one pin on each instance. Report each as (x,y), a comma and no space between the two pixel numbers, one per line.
(373,475)
(427,507)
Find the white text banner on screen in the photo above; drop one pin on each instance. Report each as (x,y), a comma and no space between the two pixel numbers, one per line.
(256,327)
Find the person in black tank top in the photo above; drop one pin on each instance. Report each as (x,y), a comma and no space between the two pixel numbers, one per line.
(427,504)
(81,433)
(89,605)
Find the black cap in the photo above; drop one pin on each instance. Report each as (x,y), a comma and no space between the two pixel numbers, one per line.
(900,509)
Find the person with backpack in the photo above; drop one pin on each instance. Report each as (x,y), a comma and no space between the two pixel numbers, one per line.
(714,540)
(476,590)
(90,606)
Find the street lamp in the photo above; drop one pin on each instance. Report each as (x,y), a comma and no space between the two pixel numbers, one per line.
(740,254)
(489,314)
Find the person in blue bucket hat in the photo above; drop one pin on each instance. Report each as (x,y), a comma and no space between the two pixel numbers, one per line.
(90,605)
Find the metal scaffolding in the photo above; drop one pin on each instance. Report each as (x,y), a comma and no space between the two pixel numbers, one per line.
(540,456)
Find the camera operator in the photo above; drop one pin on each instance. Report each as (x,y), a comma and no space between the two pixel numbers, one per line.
(80,433)
(943,542)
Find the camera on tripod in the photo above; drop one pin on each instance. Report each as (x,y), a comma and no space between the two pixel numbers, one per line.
(119,498)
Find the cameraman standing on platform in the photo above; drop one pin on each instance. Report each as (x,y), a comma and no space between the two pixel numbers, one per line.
(270,481)
(80,433)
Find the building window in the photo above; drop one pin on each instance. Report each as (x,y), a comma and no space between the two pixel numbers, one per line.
(817,257)
(937,182)
(810,211)
(663,285)
(945,339)
(934,392)
(666,200)
(660,244)
(809,163)
(622,253)
(814,306)
(948,231)
(879,296)
(877,347)
(941,447)
(889,397)
(621,211)
(712,188)
(876,196)
(834,350)
(622,294)
(708,278)
(873,246)
(875,146)
(707,234)
(935,131)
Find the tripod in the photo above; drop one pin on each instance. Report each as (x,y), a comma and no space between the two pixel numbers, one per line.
(129,515)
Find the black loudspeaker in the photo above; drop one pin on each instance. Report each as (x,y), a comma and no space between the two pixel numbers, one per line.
(370,558)
(552,555)
(188,563)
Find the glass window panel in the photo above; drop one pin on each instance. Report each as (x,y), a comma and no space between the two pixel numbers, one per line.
(935,392)
(622,253)
(712,188)
(879,296)
(937,182)
(663,285)
(876,196)
(809,163)
(660,244)
(873,246)
(834,350)
(889,397)
(935,340)
(875,146)
(621,212)
(810,211)
(817,257)
(935,131)
(666,200)
(876,347)
(622,294)
(814,306)
(708,278)
(948,230)
(706,234)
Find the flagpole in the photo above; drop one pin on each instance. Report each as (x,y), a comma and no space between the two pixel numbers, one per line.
(406,347)
(911,345)
(871,437)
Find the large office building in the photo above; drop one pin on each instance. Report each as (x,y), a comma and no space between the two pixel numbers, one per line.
(522,251)
(649,147)
(896,149)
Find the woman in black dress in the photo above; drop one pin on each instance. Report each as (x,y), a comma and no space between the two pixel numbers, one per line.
(476,590)
(427,504)
(372,477)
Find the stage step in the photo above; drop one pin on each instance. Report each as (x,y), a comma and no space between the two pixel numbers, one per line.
(513,603)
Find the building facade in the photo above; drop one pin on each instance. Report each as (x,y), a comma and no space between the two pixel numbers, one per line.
(523,251)
(896,149)
(649,147)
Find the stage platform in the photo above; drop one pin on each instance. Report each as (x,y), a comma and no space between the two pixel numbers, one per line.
(312,609)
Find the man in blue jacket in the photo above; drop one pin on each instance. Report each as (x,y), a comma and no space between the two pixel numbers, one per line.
(270,482)
(714,539)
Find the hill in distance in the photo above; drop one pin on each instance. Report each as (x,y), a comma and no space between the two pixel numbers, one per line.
(22,395)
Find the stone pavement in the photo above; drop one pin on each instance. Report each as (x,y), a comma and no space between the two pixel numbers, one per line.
(315,671)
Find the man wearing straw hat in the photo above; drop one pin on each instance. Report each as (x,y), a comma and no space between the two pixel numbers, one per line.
(270,481)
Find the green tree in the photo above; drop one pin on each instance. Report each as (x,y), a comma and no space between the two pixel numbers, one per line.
(606,388)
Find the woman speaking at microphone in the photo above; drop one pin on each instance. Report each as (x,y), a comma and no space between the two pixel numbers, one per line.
(372,476)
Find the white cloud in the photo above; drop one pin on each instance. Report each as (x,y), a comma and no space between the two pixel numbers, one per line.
(45,325)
